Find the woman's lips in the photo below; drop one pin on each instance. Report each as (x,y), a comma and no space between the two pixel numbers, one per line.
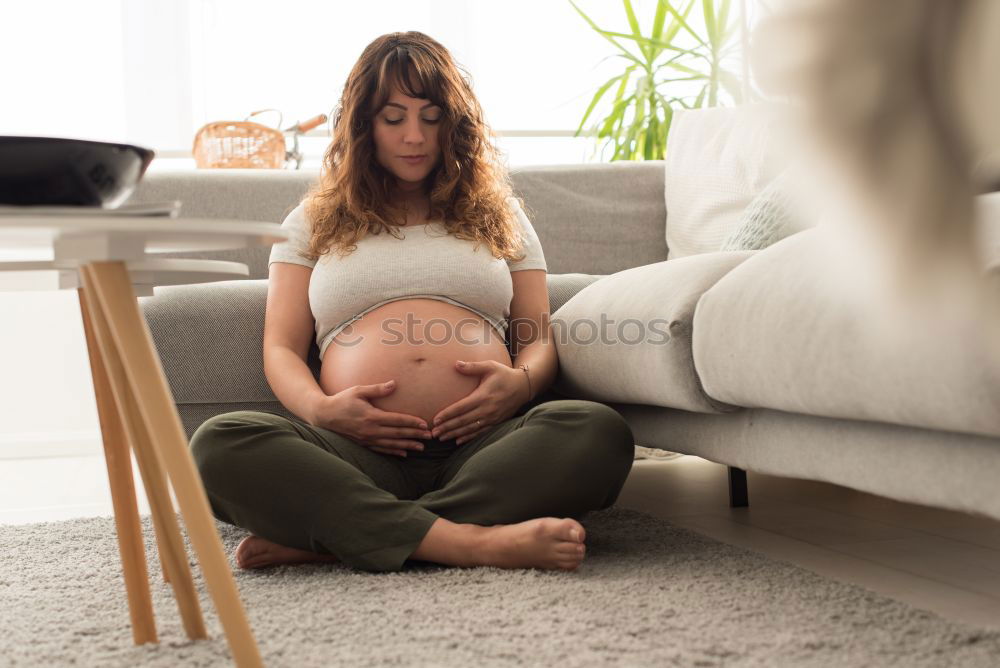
(413,161)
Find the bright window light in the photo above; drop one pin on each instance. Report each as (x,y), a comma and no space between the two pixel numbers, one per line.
(152,72)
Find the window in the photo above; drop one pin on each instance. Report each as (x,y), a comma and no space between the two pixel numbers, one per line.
(153,72)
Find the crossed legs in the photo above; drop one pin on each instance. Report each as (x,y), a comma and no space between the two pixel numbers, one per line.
(509,498)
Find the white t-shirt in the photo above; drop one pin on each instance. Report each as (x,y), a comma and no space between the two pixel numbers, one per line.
(427,262)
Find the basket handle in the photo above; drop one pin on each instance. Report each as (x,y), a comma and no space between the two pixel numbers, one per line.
(280,116)
(306,126)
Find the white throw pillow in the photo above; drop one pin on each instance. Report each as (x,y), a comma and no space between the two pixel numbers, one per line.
(627,337)
(718,159)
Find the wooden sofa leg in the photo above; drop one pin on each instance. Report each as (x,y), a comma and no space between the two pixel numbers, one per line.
(738,488)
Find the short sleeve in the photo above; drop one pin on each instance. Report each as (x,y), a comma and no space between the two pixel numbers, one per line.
(297,226)
(534,258)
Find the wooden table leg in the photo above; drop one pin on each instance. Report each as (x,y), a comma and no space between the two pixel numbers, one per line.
(153,472)
(116,433)
(167,529)
(119,463)
(109,285)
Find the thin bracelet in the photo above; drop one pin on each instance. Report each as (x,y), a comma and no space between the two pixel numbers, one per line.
(524,367)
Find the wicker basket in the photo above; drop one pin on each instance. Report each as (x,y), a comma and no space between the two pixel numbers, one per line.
(239,145)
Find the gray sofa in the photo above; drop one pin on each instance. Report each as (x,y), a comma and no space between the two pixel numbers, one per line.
(761,366)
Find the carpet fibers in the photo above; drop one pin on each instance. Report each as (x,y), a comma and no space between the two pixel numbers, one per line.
(648,593)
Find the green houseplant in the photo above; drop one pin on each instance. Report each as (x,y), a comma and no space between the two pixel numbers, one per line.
(673,58)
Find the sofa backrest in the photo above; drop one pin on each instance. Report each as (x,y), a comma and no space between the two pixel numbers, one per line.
(590,219)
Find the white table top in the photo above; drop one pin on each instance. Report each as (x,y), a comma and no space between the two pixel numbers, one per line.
(157,234)
(59,245)
(144,274)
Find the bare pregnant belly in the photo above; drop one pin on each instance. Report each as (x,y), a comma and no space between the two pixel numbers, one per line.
(415,342)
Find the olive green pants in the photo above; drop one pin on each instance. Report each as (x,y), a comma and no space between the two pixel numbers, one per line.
(314,489)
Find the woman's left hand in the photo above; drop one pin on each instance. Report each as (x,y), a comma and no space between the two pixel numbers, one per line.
(501,391)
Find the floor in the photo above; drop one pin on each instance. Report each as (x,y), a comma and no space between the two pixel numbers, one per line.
(934,559)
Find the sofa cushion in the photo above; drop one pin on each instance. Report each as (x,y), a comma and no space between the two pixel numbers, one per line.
(627,337)
(597,218)
(562,287)
(267,195)
(718,160)
(788,330)
(210,338)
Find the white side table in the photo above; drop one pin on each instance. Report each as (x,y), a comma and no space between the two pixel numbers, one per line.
(108,261)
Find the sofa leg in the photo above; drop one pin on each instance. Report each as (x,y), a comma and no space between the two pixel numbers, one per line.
(738,488)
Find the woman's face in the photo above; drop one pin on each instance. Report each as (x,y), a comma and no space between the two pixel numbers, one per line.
(406,138)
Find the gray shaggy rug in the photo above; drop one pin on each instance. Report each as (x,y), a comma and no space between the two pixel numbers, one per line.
(648,593)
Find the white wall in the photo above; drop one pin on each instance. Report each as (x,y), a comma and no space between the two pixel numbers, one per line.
(153,72)
(47,405)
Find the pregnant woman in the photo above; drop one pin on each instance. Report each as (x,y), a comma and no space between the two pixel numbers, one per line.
(413,266)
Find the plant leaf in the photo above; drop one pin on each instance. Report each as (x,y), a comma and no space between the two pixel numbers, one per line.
(664,64)
(701,97)
(640,40)
(635,128)
(675,25)
(633,23)
(650,138)
(677,100)
(722,22)
(680,19)
(683,68)
(605,34)
(699,77)
(658,19)
(708,9)
(597,96)
(617,113)
(666,130)
(623,85)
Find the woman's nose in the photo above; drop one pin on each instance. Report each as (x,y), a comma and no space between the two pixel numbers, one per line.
(413,133)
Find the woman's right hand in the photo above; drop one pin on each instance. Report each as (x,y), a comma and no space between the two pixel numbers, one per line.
(349,412)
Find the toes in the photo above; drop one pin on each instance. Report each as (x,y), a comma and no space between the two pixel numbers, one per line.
(571,549)
(568,564)
(241,552)
(572,531)
(248,552)
(569,530)
(569,555)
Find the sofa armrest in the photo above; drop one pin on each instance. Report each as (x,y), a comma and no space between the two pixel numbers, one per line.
(794,329)
(627,337)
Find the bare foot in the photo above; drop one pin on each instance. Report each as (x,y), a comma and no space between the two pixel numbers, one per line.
(546,542)
(257,552)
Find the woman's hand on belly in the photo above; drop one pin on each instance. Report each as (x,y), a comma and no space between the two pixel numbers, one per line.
(422,362)
(352,412)
(500,391)
(424,388)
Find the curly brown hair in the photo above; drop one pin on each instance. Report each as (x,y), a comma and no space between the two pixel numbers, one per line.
(469,186)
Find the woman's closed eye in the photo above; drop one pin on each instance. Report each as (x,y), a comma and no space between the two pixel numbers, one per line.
(397,121)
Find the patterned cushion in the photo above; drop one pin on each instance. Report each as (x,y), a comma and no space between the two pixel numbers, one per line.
(769,217)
